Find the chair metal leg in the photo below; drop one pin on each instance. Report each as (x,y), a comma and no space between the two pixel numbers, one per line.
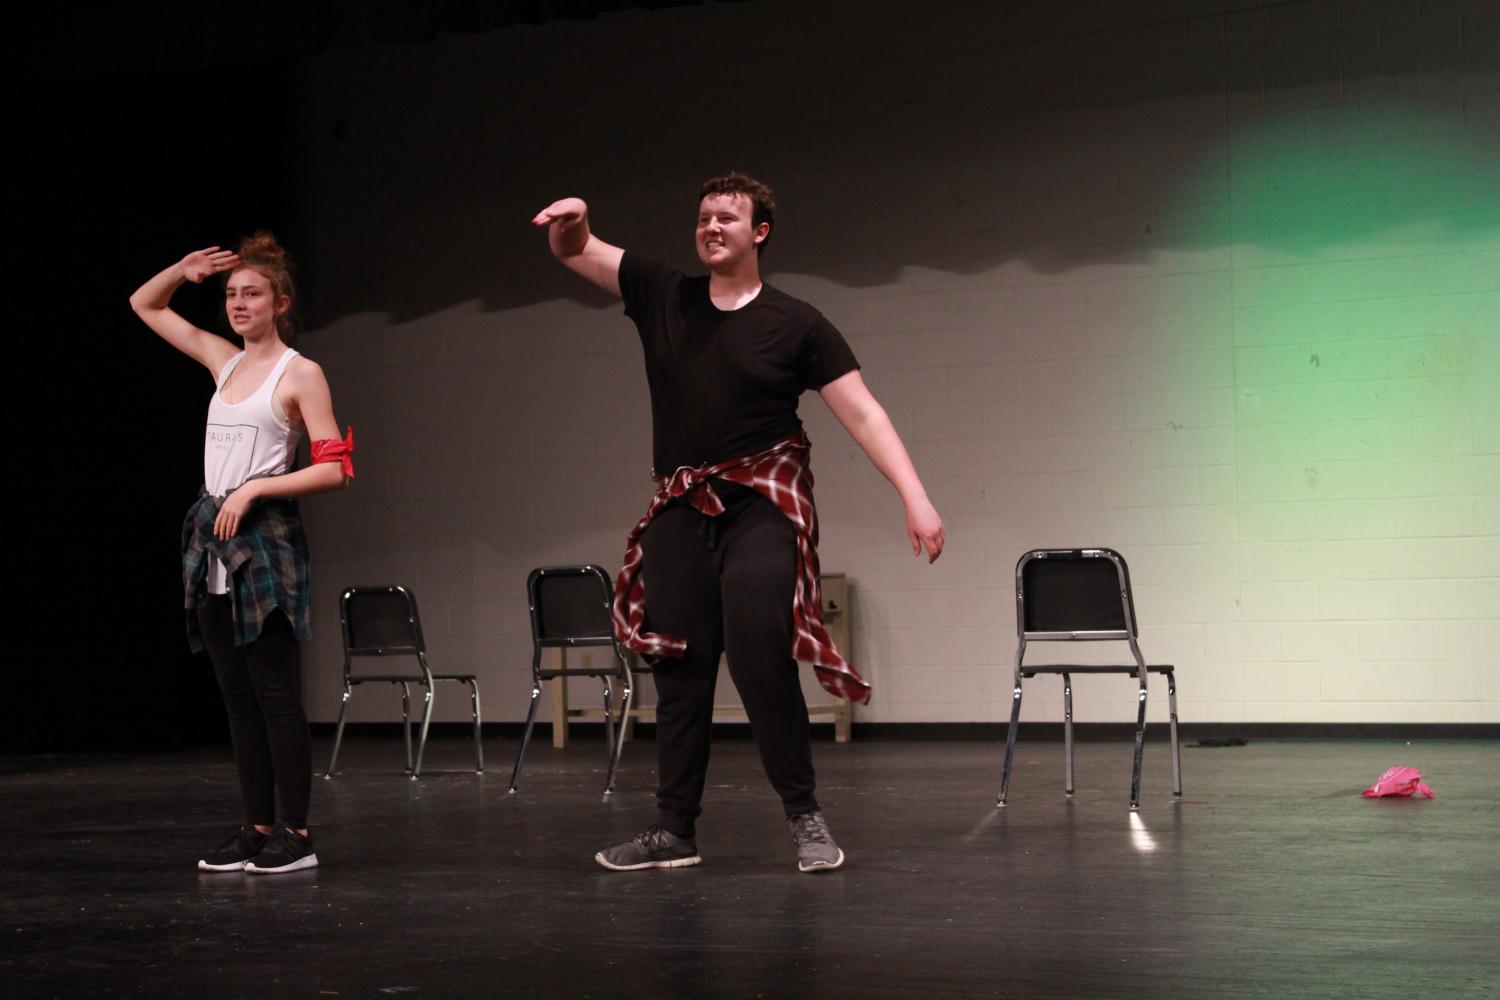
(609,738)
(478,743)
(1176,749)
(1068,733)
(406,721)
(625,696)
(1140,745)
(1010,742)
(338,734)
(422,743)
(536,694)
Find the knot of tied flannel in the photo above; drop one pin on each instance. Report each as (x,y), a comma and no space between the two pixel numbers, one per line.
(694,484)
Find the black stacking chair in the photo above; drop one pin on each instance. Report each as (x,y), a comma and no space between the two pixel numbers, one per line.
(383,621)
(1082,595)
(570,608)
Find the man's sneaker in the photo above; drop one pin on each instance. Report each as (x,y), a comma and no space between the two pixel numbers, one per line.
(244,844)
(816,851)
(287,851)
(655,848)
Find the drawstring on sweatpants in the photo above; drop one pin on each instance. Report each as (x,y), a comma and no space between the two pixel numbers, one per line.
(708,530)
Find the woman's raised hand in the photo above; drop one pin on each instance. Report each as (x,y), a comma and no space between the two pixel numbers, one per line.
(201,264)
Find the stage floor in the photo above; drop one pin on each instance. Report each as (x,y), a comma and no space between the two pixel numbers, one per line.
(1272,878)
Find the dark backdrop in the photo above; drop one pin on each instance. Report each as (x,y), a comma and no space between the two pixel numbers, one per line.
(123,173)
(141,132)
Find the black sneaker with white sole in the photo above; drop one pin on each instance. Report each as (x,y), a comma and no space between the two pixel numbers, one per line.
(244,844)
(654,848)
(287,851)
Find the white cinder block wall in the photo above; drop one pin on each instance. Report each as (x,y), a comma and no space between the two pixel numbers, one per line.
(1219,290)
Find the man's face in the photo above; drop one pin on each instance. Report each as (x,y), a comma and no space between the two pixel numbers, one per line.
(724,235)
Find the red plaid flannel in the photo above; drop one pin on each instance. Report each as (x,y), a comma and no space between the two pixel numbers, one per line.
(781,474)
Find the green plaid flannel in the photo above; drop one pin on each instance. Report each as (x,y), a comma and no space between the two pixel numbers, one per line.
(266,562)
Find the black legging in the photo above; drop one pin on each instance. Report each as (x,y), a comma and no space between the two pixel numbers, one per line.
(725,585)
(262,688)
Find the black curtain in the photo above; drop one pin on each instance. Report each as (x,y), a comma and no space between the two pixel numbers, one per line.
(141,132)
(122,174)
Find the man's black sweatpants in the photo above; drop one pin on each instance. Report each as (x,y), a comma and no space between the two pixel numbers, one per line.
(725,585)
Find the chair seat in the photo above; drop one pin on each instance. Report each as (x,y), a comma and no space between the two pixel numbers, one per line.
(548,673)
(410,678)
(1090,668)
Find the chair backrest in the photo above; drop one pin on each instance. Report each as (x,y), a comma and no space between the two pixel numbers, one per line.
(570,606)
(380,621)
(1074,594)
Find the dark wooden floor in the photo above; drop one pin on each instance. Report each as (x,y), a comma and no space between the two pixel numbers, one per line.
(1273,878)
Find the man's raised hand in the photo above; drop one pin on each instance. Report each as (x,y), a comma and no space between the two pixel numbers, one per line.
(567,226)
(565,212)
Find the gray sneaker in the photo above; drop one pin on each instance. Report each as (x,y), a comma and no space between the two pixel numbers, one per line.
(654,848)
(816,851)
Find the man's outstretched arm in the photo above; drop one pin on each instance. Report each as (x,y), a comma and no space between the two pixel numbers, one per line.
(867,422)
(568,235)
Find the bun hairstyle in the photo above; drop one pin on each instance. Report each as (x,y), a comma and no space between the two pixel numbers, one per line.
(262,254)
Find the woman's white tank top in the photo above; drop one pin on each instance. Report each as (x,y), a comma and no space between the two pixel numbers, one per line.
(245,439)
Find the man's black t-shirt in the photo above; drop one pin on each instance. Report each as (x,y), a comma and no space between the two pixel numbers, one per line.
(724,384)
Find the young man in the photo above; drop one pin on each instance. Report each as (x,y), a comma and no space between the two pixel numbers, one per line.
(725,560)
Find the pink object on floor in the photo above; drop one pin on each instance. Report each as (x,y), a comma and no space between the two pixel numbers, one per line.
(1399,781)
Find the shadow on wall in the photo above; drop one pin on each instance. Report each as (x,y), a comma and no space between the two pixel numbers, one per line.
(954,139)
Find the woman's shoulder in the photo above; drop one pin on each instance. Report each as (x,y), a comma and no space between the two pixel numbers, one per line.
(303,370)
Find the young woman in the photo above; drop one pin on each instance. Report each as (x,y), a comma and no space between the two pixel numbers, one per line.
(244,553)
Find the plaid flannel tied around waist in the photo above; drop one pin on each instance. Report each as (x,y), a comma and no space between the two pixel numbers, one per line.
(266,562)
(782,475)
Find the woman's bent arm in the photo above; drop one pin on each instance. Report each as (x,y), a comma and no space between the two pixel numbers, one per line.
(151,304)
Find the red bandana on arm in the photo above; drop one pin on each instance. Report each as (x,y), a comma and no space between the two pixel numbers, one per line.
(334,450)
(781,474)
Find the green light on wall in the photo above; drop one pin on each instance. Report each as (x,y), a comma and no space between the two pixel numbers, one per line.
(1365,258)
